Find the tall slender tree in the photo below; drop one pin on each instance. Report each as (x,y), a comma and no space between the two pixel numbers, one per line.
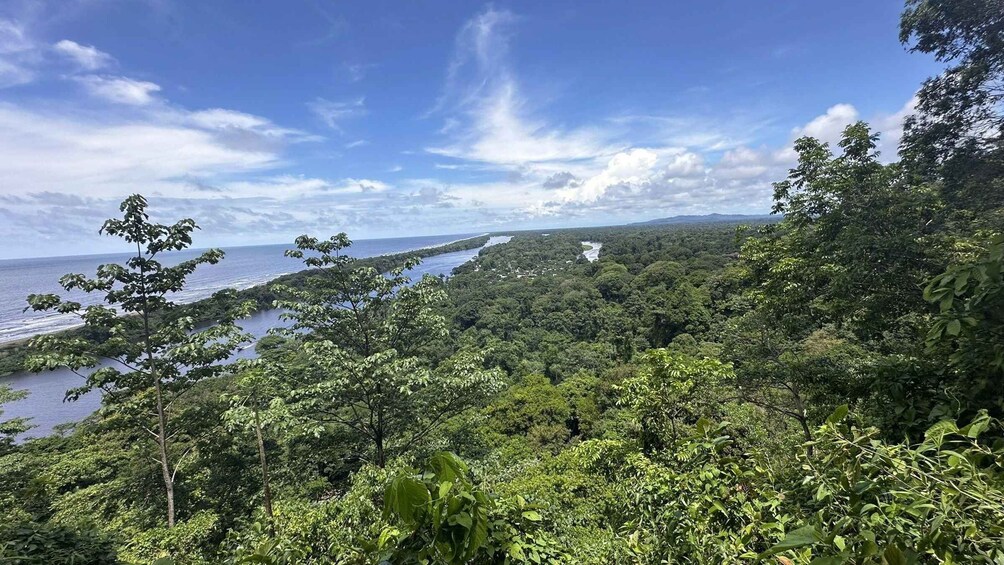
(257,404)
(151,353)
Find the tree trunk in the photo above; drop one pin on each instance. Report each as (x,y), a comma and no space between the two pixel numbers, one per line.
(266,488)
(165,465)
(380,457)
(803,419)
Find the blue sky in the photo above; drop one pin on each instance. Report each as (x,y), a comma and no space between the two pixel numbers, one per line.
(269,119)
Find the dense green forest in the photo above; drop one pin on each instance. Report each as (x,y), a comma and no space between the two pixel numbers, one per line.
(825,389)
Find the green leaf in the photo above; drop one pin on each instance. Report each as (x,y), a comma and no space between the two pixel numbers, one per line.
(893,556)
(839,414)
(516,551)
(979,425)
(448,467)
(444,488)
(478,534)
(464,519)
(806,535)
(532,515)
(953,327)
(404,497)
(936,433)
(961,281)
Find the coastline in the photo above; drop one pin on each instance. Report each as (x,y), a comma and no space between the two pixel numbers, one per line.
(13,353)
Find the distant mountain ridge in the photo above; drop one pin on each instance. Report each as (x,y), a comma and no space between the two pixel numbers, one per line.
(710,219)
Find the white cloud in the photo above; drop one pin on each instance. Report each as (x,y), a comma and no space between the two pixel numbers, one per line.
(121,90)
(745,163)
(110,157)
(298,186)
(14,75)
(13,38)
(499,135)
(355,72)
(492,122)
(245,129)
(686,164)
(828,127)
(362,185)
(699,133)
(630,167)
(285,187)
(17,55)
(220,118)
(87,57)
(561,180)
(652,182)
(333,113)
(891,128)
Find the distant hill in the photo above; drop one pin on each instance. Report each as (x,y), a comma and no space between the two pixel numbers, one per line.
(711,219)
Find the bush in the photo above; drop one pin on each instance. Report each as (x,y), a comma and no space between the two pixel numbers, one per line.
(33,543)
(876,502)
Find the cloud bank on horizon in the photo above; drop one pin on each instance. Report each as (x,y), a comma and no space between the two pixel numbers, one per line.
(264,126)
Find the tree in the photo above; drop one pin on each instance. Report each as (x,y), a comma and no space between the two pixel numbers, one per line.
(612,280)
(970,298)
(798,379)
(672,391)
(956,134)
(152,355)
(10,429)
(532,408)
(257,403)
(367,334)
(854,247)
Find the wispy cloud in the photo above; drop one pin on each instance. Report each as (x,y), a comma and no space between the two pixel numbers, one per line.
(487,118)
(18,55)
(355,72)
(121,90)
(334,113)
(86,57)
(248,131)
(105,156)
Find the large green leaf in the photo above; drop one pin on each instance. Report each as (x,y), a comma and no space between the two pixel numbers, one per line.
(804,536)
(406,497)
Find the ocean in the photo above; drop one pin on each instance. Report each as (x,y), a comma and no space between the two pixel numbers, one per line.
(243,267)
